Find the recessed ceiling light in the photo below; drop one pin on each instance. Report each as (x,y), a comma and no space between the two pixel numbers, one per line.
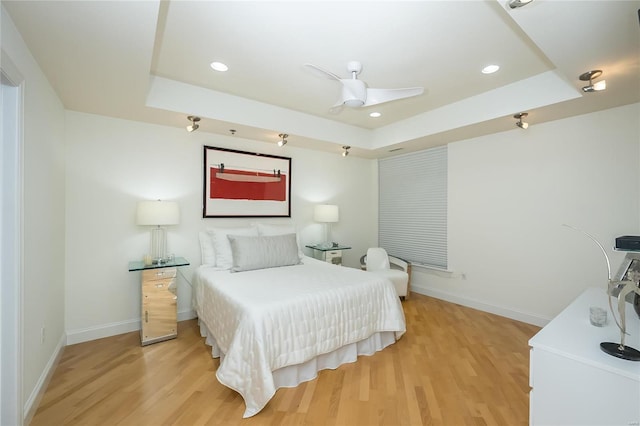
(219,66)
(375,114)
(490,69)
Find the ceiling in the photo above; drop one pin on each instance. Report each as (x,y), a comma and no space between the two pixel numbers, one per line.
(149,61)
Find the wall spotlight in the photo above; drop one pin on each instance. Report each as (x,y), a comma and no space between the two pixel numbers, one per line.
(283,139)
(593,87)
(520,123)
(194,123)
(518,3)
(346,150)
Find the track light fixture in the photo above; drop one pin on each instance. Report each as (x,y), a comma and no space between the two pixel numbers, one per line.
(283,139)
(346,150)
(522,124)
(194,123)
(593,87)
(513,4)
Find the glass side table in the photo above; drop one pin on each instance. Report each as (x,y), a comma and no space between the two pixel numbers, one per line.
(138,265)
(331,254)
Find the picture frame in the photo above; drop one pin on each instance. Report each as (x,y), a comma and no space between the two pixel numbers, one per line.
(245,184)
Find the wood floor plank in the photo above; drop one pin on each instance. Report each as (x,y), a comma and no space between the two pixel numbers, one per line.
(454,366)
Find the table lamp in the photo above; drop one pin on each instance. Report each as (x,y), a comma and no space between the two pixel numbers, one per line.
(327,214)
(158,213)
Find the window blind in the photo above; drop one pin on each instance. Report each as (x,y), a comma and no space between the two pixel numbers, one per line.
(412,216)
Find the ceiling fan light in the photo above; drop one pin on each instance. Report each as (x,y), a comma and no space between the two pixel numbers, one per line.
(354,102)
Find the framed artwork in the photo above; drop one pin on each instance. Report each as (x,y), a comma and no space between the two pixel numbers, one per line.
(245,184)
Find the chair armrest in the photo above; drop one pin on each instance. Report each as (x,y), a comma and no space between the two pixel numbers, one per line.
(403,264)
(400,262)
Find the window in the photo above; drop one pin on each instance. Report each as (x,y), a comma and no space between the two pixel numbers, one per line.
(412,209)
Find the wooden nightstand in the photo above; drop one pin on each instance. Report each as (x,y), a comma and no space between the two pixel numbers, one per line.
(159,317)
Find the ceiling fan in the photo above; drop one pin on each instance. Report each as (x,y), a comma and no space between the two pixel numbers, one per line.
(356,93)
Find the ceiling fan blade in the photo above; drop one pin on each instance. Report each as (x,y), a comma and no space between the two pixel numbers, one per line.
(337,108)
(321,72)
(378,96)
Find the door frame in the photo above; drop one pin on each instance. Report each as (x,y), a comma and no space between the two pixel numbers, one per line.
(11,242)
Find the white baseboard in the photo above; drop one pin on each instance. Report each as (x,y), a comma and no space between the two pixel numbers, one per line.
(482,306)
(100,331)
(32,403)
(113,329)
(187,315)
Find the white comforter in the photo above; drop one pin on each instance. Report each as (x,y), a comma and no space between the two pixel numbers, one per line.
(271,318)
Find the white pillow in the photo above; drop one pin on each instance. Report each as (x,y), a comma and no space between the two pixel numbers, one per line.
(207,252)
(265,229)
(224,257)
(250,253)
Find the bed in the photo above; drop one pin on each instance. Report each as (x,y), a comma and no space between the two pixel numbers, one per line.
(277,326)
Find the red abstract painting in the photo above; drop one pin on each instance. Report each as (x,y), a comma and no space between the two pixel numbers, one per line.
(233,184)
(245,184)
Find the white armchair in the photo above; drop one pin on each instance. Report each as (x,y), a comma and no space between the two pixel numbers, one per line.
(397,270)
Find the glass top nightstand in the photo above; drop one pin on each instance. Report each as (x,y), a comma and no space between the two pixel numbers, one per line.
(159,299)
(323,248)
(138,265)
(328,254)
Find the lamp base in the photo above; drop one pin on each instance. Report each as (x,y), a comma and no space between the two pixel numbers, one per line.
(624,352)
(158,244)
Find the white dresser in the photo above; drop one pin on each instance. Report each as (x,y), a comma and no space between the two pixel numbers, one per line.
(573,382)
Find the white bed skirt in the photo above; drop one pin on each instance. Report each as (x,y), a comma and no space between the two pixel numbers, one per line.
(291,376)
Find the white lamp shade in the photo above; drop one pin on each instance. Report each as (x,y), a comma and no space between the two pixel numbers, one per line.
(326,213)
(158,213)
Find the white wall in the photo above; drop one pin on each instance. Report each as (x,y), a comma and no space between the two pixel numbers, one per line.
(510,192)
(114,163)
(43,215)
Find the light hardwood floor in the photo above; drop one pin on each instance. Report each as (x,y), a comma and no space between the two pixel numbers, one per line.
(454,366)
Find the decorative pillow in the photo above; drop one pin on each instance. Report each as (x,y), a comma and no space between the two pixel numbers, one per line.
(224,259)
(265,229)
(251,253)
(207,252)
